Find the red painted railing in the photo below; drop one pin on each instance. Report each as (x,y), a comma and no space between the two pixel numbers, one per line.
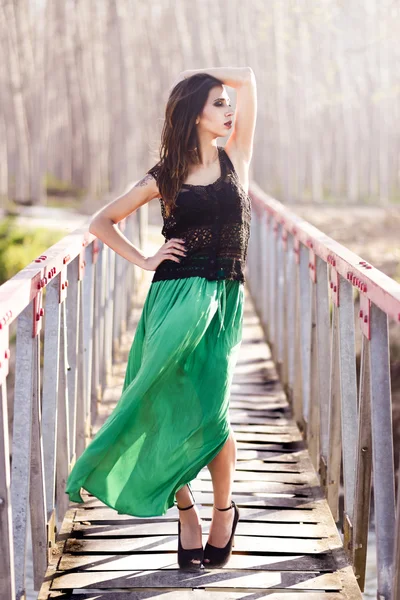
(69,319)
(309,292)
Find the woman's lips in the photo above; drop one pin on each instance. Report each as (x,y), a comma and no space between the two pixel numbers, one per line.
(228,124)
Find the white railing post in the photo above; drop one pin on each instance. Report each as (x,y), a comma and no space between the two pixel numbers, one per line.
(21,440)
(7,566)
(382,449)
(51,423)
(305,330)
(348,393)
(324,358)
(88,309)
(294,301)
(72,301)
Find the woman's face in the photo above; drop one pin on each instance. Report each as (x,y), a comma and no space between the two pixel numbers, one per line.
(216,112)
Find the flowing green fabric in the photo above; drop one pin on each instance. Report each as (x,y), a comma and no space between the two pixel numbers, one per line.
(172,417)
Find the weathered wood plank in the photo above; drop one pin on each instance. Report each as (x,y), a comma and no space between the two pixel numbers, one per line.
(240,487)
(258,386)
(274,429)
(278,448)
(260,514)
(243,417)
(263,499)
(170,528)
(251,464)
(217,578)
(259,393)
(251,474)
(272,406)
(248,544)
(245,452)
(165,560)
(268,416)
(265,376)
(196,595)
(275,438)
(261,452)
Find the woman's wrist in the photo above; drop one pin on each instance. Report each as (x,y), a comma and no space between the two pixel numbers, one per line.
(139,259)
(231,76)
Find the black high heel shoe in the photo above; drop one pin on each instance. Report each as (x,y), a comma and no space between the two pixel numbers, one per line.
(218,557)
(186,556)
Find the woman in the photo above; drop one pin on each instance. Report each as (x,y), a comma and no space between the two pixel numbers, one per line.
(172,418)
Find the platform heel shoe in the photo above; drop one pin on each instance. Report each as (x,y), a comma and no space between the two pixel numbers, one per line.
(218,557)
(186,556)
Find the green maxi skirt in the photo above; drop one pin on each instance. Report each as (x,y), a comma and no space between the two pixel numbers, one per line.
(172,417)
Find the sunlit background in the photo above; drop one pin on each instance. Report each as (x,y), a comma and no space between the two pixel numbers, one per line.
(83,90)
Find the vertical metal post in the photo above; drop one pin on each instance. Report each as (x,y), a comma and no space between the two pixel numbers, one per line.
(257,257)
(280,300)
(291,316)
(21,443)
(348,392)
(271,282)
(63,415)
(298,370)
(335,432)
(129,272)
(108,316)
(305,329)
(363,469)
(37,500)
(324,358)
(314,407)
(72,326)
(101,323)
(96,385)
(50,388)
(286,342)
(264,270)
(253,253)
(118,284)
(7,570)
(382,449)
(84,416)
(88,300)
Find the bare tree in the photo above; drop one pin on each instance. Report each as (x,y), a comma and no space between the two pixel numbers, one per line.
(84,85)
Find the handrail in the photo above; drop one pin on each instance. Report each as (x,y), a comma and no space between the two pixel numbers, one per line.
(297,276)
(69,325)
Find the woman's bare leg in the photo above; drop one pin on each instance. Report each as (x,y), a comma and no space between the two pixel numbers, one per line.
(191,532)
(222,469)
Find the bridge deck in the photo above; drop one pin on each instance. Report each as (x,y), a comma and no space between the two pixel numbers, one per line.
(286,540)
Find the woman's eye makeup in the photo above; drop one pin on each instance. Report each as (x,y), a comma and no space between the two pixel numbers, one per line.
(219,103)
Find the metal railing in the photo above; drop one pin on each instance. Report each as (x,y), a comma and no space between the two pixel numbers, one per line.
(69,321)
(302,283)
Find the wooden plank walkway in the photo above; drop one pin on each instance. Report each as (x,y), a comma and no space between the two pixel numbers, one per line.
(287,546)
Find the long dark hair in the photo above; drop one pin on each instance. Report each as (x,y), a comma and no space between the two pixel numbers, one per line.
(179,146)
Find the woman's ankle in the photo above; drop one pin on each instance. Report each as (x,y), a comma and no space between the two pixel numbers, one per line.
(190,516)
(184,498)
(222,504)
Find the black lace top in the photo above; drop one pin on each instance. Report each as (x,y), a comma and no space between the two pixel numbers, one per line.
(214,220)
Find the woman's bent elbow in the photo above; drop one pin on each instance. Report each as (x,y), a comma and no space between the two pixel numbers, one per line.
(92,228)
(96,225)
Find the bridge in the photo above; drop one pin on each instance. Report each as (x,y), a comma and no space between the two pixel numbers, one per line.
(314,433)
